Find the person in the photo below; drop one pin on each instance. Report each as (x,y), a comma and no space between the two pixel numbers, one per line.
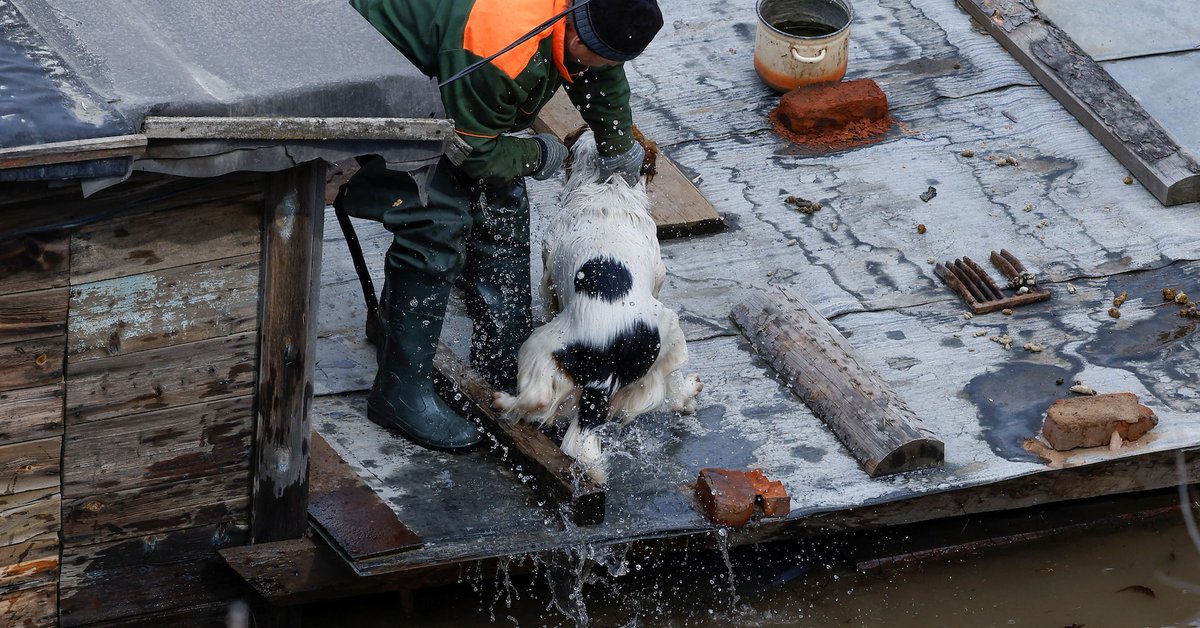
(470,225)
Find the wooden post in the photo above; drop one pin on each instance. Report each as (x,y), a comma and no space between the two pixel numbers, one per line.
(292,231)
(836,384)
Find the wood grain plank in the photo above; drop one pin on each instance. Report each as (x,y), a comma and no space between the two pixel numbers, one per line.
(678,208)
(31,562)
(157,379)
(30,363)
(34,314)
(34,261)
(29,515)
(295,211)
(31,413)
(163,308)
(836,383)
(30,608)
(157,508)
(107,580)
(178,236)
(155,447)
(30,465)
(72,151)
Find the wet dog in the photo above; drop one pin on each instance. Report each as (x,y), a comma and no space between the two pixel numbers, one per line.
(612,350)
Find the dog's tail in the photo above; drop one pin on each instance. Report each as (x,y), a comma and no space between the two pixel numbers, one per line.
(594,403)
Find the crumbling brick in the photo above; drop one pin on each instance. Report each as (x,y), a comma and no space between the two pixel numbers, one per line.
(731,498)
(827,106)
(1090,421)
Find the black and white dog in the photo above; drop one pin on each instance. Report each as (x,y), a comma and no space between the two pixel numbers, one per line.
(612,350)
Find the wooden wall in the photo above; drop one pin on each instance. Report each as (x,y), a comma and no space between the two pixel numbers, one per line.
(127,379)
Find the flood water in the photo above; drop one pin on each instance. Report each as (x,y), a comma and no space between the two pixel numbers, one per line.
(1142,574)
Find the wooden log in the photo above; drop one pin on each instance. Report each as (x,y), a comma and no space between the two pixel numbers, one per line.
(29,515)
(31,315)
(295,210)
(156,509)
(553,472)
(349,513)
(834,381)
(30,363)
(296,128)
(678,208)
(219,368)
(30,608)
(33,562)
(163,308)
(157,447)
(34,261)
(30,465)
(31,414)
(155,573)
(72,151)
(1169,171)
(132,244)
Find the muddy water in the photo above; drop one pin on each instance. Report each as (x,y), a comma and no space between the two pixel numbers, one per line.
(1144,575)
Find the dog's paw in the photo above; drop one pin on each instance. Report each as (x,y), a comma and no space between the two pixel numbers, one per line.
(503,401)
(584,447)
(685,400)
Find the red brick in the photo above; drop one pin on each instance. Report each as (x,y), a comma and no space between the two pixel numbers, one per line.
(828,106)
(1090,421)
(731,498)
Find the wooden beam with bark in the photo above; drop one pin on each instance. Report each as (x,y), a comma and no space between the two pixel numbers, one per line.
(836,383)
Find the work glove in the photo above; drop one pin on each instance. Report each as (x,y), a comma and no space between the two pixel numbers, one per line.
(627,164)
(552,156)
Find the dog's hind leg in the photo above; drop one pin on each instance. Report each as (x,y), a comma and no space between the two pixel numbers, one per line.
(582,440)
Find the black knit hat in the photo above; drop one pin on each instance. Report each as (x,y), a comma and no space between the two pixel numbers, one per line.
(617,29)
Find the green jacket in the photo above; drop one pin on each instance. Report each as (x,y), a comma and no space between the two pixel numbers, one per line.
(442,37)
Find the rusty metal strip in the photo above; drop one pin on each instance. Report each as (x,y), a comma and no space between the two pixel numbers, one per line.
(348,513)
(977,288)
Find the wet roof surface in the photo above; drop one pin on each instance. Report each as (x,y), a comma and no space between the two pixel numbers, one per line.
(76,69)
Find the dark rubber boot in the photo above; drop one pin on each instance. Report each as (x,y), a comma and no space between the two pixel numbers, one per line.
(402,396)
(496,283)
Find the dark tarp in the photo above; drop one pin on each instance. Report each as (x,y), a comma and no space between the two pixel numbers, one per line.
(89,69)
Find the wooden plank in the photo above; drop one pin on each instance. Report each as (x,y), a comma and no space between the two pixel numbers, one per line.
(348,512)
(678,208)
(34,314)
(131,245)
(29,608)
(110,580)
(34,261)
(156,509)
(72,151)
(821,367)
(29,515)
(526,447)
(30,363)
(155,447)
(31,414)
(163,308)
(1101,105)
(30,465)
(157,379)
(31,562)
(210,615)
(295,210)
(296,128)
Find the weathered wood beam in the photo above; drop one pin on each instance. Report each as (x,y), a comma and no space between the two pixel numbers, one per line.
(30,607)
(678,208)
(552,470)
(72,151)
(836,383)
(349,513)
(295,210)
(1169,171)
(282,128)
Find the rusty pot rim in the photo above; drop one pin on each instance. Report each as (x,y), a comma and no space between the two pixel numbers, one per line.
(845,4)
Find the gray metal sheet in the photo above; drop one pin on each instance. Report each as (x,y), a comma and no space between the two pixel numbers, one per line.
(1120,29)
(1167,87)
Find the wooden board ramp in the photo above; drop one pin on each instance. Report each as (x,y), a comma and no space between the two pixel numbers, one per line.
(835,382)
(678,208)
(527,449)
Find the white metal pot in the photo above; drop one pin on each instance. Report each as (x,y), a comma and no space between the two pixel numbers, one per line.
(800,42)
